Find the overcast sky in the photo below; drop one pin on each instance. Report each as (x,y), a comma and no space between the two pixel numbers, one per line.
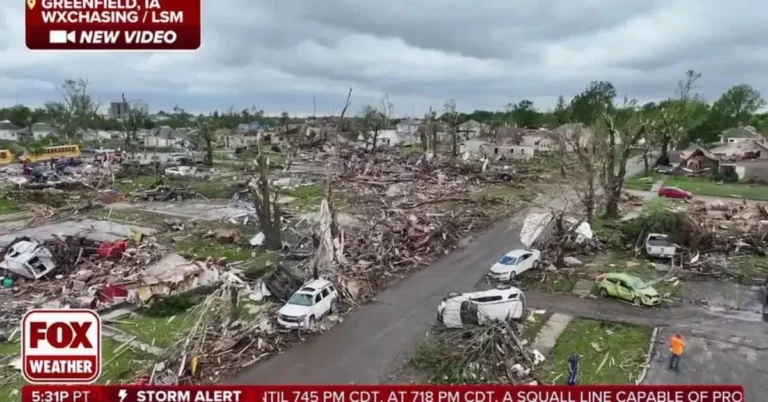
(277,54)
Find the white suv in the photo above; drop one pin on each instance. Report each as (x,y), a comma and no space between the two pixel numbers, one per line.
(312,302)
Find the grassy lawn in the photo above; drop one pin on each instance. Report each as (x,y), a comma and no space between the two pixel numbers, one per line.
(200,247)
(642,182)
(705,186)
(158,331)
(206,188)
(7,205)
(751,266)
(135,184)
(307,197)
(702,186)
(412,150)
(533,326)
(554,282)
(609,353)
(117,367)
(510,194)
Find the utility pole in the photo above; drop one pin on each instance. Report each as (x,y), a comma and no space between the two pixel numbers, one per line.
(314,106)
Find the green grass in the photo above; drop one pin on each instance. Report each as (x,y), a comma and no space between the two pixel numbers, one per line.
(531,329)
(706,186)
(135,184)
(206,188)
(7,205)
(642,182)
(122,369)
(624,345)
(200,247)
(702,185)
(159,331)
(752,266)
(607,232)
(412,150)
(509,194)
(307,197)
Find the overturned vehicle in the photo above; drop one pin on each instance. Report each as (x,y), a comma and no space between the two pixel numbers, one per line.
(480,308)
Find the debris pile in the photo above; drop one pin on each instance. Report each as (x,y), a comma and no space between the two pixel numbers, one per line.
(223,341)
(490,354)
(415,212)
(708,233)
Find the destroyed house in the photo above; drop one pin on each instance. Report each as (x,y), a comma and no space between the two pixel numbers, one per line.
(741,150)
(699,160)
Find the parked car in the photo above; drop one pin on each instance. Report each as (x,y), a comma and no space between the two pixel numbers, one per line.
(627,287)
(658,245)
(163,193)
(310,303)
(480,308)
(180,171)
(182,161)
(665,169)
(674,192)
(514,263)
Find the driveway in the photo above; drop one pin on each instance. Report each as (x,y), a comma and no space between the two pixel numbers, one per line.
(377,338)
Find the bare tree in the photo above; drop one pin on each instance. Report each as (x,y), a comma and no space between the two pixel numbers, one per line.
(624,126)
(134,121)
(76,111)
(387,110)
(206,137)
(451,117)
(429,134)
(371,121)
(329,239)
(677,115)
(583,154)
(267,211)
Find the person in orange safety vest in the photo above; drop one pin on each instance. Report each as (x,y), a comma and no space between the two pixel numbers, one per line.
(676,347)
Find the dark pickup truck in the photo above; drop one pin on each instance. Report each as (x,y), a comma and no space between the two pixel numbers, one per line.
(164,193)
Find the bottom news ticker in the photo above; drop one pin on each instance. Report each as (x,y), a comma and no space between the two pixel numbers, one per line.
(366,393)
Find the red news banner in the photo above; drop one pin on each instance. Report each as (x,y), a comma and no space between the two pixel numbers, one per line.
(370,393)
(113,24)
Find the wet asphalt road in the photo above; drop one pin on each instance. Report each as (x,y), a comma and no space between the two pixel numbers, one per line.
(376,339)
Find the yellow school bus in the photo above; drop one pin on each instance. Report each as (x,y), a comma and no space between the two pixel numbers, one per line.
(57,152)
(6,156)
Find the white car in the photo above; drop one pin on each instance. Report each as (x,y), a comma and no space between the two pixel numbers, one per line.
(480,308)
(313,301)
(514,263)
(180,171)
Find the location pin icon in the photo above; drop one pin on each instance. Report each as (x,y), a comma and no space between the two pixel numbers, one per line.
(31,4)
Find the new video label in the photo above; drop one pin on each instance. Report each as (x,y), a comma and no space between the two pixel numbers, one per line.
(113,24)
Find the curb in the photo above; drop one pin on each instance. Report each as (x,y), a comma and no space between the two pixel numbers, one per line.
(647,364)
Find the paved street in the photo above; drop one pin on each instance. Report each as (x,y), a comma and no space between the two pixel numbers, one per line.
(712,361)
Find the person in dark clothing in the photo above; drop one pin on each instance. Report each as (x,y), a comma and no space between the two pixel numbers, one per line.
(573,369)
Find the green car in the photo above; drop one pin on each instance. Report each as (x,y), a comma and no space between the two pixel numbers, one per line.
(627,287)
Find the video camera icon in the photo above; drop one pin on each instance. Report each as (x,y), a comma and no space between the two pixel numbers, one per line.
(61,37)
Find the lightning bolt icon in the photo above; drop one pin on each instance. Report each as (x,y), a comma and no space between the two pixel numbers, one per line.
(122,394)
